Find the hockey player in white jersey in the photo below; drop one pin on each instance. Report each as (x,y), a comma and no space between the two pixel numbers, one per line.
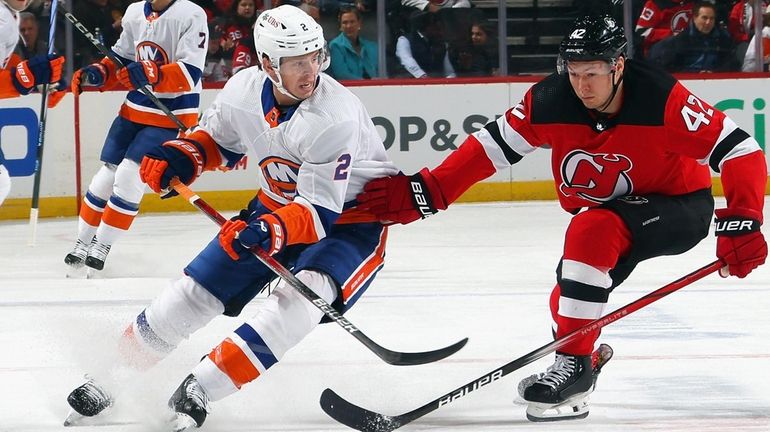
(163,47)
(316,147)
(17,77)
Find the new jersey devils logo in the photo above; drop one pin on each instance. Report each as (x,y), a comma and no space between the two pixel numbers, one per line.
(680,20)
(281,175)
(595,177)
(147,50)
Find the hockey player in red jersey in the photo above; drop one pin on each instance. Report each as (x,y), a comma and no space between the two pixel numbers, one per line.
(631,150)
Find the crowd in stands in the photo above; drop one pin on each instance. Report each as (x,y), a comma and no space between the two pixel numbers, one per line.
(429,38)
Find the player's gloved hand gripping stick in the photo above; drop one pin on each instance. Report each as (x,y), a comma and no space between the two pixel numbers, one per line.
(391,357)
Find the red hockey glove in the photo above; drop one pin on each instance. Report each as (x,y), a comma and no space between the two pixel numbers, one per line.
(740,243)
(266,232)
(42,69)
(182,158)
(139,74)
(402,199)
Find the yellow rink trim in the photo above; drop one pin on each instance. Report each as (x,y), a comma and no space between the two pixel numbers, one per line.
(18,208)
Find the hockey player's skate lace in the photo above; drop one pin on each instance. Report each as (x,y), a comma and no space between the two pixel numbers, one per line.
(562,392)
(77,257)
(87,400)
(97,254)
(190,403)
(599,358)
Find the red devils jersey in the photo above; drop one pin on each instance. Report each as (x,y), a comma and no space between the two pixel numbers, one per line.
(662,141)
(660,19)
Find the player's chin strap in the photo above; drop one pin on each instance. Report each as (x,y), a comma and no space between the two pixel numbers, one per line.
(279,85)
(615,87)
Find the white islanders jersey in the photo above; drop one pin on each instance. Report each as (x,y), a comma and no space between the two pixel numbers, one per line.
(320,158)
(178,34)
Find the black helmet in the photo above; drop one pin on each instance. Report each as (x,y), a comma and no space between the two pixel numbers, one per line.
(592,37)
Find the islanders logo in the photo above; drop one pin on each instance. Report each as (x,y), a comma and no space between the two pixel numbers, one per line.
(281,176)
(147,50)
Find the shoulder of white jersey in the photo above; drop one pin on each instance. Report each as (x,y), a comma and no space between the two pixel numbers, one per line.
(135,9)
(243,89)
(334,102)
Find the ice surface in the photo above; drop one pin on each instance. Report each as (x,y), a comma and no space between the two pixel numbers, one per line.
(694,361)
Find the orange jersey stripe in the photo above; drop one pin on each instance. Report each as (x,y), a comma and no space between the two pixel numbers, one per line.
(351,215)
(172,79)
(213,157)
(117,219)
(233,362)
(366,270)
(153,119)
(90,216)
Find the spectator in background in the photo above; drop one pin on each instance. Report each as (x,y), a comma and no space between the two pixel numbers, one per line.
(211,9)
(740,24)
(241,19)
(702,47)
(29,30)
(244,54)
(311,8)
(96,15)
(352,57)
(660,19)
(216,69)
(750,60)
(436,5)
(423,51)
(480,57)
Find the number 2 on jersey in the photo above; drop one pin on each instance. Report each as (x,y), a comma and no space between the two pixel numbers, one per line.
(694,119)
(341,173)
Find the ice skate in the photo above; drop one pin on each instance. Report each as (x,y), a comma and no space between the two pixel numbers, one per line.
(88,400)
(599,358)
(190,404)
(561,393)
(97,254)
(77,258)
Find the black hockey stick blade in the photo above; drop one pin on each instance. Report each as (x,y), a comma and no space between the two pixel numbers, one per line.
(418,358)
(358,418)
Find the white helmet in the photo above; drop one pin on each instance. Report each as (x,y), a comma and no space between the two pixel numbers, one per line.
(287,31)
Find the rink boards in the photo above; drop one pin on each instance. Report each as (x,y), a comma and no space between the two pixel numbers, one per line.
(419,125)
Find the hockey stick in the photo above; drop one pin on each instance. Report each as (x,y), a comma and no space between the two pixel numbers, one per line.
(365,420)
(33,210)
(109,54)
(391,357)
